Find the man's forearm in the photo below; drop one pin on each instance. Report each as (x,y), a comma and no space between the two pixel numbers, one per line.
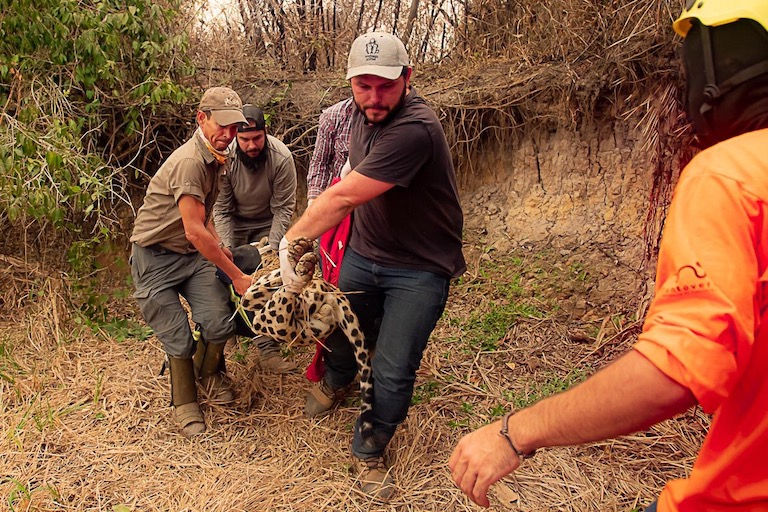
(207,244)
(280,223)
(335,203)
(325,213)
(627,396)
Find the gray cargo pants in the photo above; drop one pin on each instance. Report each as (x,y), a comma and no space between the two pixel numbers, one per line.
(160,277)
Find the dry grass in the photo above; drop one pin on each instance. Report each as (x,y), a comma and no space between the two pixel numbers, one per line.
(85,420)
(86,425)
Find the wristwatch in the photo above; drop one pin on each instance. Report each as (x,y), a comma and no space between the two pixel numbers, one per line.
(504,432)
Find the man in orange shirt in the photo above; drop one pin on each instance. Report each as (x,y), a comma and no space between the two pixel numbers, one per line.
(705,339)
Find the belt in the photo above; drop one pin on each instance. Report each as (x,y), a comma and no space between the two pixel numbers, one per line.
(159,249)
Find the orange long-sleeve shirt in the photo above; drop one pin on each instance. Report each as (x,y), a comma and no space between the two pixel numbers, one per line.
(707,326)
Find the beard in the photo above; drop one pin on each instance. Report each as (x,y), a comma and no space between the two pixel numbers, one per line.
(391,112)
(252,161)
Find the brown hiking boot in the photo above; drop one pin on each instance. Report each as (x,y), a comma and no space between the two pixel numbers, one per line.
(374,478)
(321,398)
(273,363)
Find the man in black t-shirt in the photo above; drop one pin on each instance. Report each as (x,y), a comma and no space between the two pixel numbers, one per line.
(404,248)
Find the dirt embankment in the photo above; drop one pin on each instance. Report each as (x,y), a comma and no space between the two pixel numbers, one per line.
(585,195)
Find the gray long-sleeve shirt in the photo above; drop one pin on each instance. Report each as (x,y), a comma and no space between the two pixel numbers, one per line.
(257,200)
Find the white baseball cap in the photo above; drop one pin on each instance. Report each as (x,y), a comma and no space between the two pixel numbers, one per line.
(377,53)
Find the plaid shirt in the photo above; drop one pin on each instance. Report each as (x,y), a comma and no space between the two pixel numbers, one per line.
(331,147)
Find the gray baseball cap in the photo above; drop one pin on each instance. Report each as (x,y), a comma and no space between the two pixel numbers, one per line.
(377,53)
(224,104)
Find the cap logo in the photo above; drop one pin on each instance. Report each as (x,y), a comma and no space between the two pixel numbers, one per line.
(371,50)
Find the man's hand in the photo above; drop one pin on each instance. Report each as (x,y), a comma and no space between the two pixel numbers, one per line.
(480,460)
(242,284)
(290,280)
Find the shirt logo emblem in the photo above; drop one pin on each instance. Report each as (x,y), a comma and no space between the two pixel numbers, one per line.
(690,278)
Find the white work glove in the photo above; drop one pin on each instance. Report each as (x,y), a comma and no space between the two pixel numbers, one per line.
(346,169)
(291,281)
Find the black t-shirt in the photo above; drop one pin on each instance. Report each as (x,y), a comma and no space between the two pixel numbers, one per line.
(418,223)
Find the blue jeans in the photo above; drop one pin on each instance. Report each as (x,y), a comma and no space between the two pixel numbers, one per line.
(398,309)
(651,508)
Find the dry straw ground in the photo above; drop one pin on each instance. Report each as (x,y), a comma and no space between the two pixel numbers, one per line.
(85,421)
(84,416)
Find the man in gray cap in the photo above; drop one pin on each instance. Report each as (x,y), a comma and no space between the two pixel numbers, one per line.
(404,248)
(175,248)
(257,199)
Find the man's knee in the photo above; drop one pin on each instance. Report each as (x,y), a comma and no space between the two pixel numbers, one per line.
(169,323)
(340,359)
(177,339)
(217,329)
(395,379)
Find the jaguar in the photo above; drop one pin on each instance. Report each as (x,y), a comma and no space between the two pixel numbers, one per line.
(309,316)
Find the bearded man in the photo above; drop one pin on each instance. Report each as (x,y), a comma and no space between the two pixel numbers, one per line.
(404,247)
(256,200)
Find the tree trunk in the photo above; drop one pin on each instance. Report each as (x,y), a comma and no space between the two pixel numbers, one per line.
(411,19)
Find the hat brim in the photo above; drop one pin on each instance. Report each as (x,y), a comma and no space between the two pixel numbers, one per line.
(388,72)
(227,117)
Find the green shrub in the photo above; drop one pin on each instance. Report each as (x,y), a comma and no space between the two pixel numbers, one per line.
(82,84)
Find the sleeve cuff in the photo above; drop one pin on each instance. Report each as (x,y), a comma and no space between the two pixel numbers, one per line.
(707,383)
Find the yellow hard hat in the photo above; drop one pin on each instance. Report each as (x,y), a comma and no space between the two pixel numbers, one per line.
(720,12)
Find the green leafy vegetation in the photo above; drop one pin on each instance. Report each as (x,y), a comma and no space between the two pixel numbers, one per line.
(80,83)
(425,392)
(497,411)
(484,330)
(19,494)
(552,384)
(459,424)
(517,398)
(242,348)
(499,295)
(506,296)
(121,329)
